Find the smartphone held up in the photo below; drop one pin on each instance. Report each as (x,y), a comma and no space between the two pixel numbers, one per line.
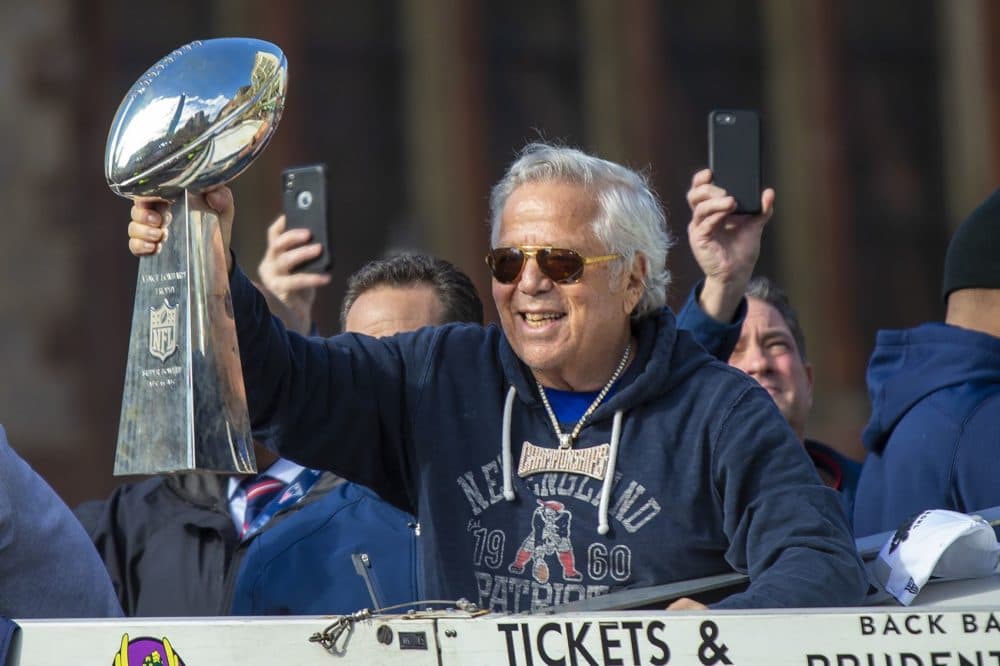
(734,156)
(303,191)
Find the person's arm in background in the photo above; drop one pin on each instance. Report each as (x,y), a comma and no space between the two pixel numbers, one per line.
(717,337)
(290,295)
(726,247)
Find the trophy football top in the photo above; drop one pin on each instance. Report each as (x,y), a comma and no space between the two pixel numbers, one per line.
(197,118)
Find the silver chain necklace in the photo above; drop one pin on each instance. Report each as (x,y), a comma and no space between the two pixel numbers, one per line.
(566,438)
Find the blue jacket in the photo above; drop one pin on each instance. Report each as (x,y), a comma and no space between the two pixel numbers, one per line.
(303,566)
(709,476)
(717,338)
(933,433)
(48,566)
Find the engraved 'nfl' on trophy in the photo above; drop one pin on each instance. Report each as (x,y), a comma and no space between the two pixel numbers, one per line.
(194,121)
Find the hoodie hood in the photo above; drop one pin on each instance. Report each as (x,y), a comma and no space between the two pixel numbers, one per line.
(909,365)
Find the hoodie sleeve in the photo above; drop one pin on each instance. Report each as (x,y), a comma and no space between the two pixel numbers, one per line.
(717,338)
(306,395)
(785,529)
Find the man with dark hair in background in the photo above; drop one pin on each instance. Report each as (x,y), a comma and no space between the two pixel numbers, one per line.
(932,438)
(404,292)
(772,350)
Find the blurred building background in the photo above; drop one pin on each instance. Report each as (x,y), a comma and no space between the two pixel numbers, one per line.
(881,119)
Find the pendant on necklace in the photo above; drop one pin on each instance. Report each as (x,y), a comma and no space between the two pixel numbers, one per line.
(591,461)
(565,440)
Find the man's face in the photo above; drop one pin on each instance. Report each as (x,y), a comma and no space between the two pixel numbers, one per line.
(572,336)
(387,310)
(767,352)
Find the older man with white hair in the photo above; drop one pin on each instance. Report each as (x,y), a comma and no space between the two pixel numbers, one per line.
(584,445)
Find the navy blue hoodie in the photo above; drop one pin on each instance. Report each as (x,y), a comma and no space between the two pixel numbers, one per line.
(708,475)
(935,427)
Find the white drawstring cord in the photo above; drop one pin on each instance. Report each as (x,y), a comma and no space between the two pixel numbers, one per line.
(508,473)
(609,475)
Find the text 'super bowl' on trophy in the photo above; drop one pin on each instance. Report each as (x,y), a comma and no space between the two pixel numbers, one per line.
(195,120)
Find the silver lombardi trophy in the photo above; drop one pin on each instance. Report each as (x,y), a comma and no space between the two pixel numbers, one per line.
(195,120)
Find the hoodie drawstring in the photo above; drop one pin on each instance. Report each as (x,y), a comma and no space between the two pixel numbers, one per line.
(609,475)
(508,472)
(609,472)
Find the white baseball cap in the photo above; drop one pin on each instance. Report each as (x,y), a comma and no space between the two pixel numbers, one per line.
(939,544)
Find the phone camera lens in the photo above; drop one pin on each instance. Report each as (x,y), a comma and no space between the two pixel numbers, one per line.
(304,200)
(725,119)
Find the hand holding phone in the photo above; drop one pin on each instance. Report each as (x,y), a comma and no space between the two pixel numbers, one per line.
(734,156)
(305,206)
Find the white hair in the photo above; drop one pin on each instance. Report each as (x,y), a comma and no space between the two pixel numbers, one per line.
(630,219)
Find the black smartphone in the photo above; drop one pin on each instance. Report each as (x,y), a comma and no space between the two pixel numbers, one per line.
(734,156)
(304,199)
